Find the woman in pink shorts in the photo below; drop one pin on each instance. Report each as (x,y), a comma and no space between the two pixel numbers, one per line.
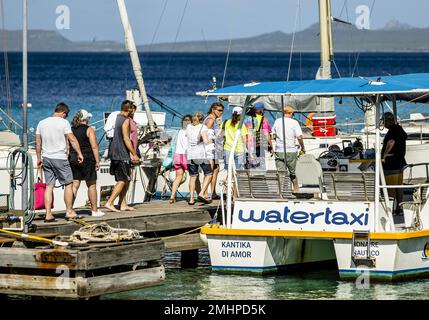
(180,162)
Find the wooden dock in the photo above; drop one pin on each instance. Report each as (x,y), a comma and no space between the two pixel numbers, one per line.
(156,218)
(83,271)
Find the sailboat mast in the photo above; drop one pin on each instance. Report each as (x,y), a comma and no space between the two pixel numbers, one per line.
(326,50)
(132,49)
(24,73)
(325,39)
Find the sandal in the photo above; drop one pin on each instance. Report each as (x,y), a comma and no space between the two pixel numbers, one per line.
(191,203)
(74,217)
(215,197)
(50,220)
(170,201)
(204,200)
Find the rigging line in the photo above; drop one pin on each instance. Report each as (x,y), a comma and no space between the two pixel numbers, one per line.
(226,62)
(175,39)
(358,55)
(293,39)
(156,30)
(6,59)
(207,49)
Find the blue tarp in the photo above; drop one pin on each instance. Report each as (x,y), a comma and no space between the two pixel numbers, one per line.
(389,85)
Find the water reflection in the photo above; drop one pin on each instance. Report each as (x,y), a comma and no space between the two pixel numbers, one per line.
(201,283)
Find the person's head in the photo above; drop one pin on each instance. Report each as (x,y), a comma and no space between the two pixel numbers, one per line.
(133,110)
(216,109)
(259,108)
(62,110)
(389,120)
(127,107)
(288,111)
(197,118)
(187,119)
(236,114)
(81,117)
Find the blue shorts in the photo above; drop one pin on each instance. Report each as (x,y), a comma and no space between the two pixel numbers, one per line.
(239,158)
(194,165)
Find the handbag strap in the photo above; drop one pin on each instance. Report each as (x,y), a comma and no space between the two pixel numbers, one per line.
(39,176)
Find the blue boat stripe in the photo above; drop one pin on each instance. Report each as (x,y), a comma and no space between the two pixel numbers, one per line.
(384,271)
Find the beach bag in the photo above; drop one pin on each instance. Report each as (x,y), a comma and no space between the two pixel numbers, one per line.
(39,193)
(168,160)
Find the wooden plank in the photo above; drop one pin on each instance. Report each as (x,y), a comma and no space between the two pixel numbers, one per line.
(37,258)
(184,242)
(124,281)
(120,255)
(14,284)
(141,222)
(18,284)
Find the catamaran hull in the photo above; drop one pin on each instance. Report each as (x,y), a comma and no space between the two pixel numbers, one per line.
(391,260)
(262,255)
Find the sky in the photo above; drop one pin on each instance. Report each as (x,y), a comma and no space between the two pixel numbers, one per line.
(160,20)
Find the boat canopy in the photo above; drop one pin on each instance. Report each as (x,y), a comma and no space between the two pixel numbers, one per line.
(400,87)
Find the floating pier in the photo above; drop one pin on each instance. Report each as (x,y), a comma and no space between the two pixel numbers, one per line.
(89,270)
(156,218)
(83,271)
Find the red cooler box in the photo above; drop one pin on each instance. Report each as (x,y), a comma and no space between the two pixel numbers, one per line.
(324,124)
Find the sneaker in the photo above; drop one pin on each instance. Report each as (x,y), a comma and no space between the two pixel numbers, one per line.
(97,213)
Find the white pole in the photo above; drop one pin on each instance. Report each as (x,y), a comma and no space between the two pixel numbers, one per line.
(24,190)
(326,49)
(132,49)
(231,163)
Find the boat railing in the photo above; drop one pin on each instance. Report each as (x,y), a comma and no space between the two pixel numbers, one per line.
(261,184)
(348,186)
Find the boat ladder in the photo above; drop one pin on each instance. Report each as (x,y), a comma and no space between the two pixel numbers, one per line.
(357,258)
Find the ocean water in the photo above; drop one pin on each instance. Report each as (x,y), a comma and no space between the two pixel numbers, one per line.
(97,82)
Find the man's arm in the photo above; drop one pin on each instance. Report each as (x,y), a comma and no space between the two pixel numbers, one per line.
(75,144)
(39,150)
(389,146)
(127,140)
(301,143)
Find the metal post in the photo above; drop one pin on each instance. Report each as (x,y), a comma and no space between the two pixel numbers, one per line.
(24,73)
(231,163)
(24,198)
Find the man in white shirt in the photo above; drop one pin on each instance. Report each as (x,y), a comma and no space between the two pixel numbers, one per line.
(285,136)
(52,137)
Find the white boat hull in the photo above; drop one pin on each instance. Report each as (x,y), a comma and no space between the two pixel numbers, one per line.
(263,255)
(392,259)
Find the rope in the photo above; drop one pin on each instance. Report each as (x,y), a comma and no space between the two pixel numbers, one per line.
(6,59)
(175,40)
(293,39)
(226,62)
(156,30)
(27,170)
(102,232)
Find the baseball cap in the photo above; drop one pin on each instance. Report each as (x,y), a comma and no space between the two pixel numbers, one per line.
(259,105)
(85,114)
(237,110)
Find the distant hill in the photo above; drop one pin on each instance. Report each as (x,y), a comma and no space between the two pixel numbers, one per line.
(394,37)
(52,41)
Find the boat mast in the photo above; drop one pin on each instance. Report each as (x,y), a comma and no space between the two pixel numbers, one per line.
(326,48)
(132,49)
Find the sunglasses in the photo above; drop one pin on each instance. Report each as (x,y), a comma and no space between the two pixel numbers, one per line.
(220,110)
